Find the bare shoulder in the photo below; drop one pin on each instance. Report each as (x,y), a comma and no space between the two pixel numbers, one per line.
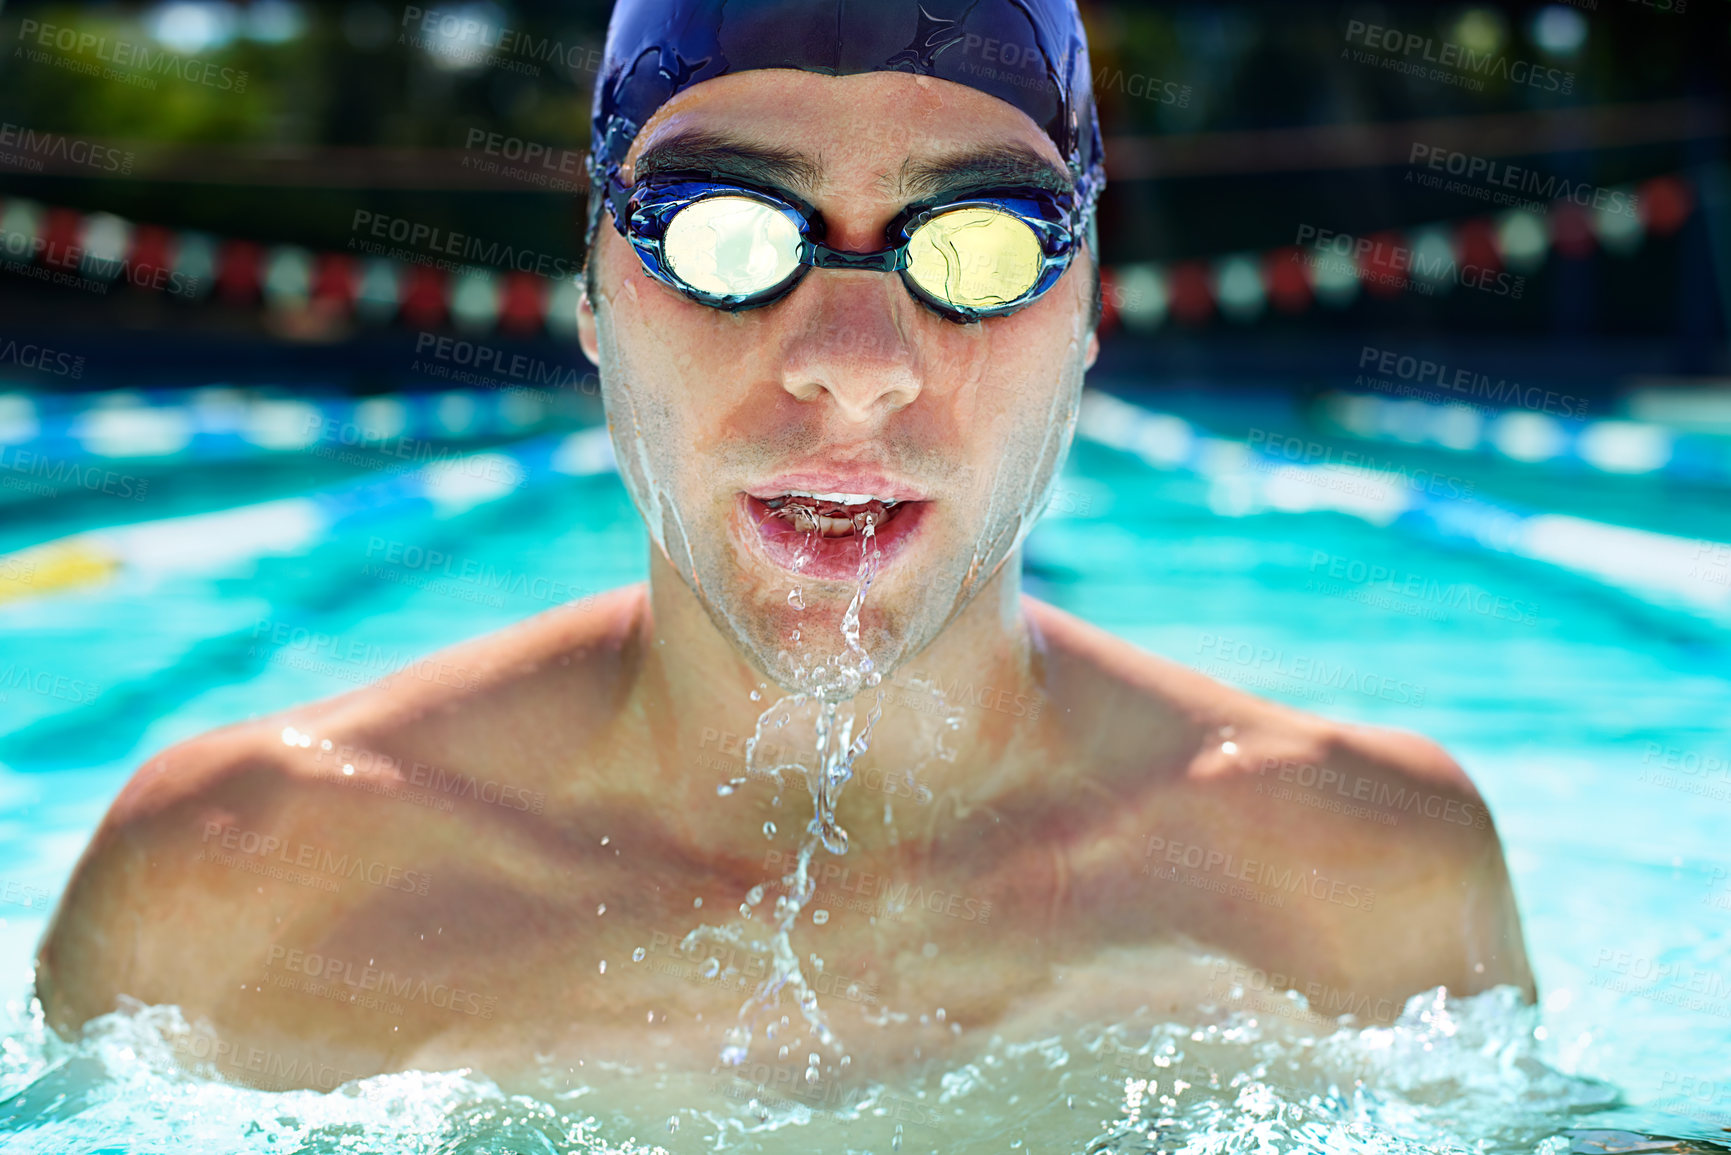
(1230,736)
(137,899)
(1363,855)
(1150,713)
(513,709)
(309,818)
(1388,861)
(543,671)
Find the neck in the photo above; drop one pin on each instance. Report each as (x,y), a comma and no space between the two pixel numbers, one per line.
(694,692)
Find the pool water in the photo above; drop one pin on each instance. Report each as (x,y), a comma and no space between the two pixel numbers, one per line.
(1593,717)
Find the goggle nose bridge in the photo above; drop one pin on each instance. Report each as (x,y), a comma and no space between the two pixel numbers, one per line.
(818,255)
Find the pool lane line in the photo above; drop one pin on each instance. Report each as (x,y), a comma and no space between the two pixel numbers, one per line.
(1245,480)
(214,423)
(1611,446)
(208,543)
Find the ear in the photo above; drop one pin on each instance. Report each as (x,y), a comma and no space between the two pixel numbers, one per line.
(587,337)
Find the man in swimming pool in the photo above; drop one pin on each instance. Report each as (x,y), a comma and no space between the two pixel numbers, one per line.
(842,293)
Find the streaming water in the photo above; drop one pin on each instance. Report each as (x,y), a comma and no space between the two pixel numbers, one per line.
(822,693)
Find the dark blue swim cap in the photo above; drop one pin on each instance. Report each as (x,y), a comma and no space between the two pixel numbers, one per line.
(1029,53)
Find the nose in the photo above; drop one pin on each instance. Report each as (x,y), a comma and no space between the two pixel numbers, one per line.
(853,337)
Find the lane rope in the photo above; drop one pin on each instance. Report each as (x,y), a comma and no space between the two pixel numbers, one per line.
(1245,481)
(208,543)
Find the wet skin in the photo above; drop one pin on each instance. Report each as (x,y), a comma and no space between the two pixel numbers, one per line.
(527,812)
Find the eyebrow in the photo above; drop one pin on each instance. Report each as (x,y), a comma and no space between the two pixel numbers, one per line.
(926,179)
(718,155)
(996,166)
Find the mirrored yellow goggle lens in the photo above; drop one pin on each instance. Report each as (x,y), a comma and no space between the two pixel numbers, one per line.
(977,258)
(730,246)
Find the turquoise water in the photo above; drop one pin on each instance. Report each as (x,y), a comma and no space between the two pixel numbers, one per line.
(1593,718)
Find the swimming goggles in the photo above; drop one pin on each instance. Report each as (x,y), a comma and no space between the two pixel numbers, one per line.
(734,247)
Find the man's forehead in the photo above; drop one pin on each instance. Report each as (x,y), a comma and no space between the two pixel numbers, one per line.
(909,137)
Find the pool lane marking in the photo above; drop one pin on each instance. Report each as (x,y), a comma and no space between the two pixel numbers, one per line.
(206,543)
(1608,445)
(215,423)
(64,564)
(1245,480)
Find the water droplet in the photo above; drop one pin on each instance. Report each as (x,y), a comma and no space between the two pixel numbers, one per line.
(793,636)
(673,1122)
(724,790)
(940,1014)
(601,910)
(755,894)
(603,966)
(811,1075)
(1229,747)
(711,967)
(819,917)
(1070,1102)
(795,598)
(637,955)
(697,902)
(757,695)
(769,830)
(896,1141)
(745,910)
(606,838)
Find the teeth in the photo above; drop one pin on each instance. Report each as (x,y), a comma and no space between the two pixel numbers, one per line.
(836,499)
(842,498)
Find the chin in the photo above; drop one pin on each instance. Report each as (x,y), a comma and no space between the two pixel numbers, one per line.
(762,625)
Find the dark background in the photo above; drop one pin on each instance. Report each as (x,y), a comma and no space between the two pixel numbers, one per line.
(1248,121)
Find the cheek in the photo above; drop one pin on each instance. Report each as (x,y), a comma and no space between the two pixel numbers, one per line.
(1032,361)
(668,384)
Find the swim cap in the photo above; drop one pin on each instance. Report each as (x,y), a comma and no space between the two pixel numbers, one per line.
(1029,53)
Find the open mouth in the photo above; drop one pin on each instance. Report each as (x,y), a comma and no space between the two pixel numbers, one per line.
(823,535)
(834,514)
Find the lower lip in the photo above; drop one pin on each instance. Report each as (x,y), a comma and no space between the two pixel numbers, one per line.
(827,558)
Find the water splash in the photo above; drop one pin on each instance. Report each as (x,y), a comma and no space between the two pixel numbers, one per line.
(824,692)
(1464,1075)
